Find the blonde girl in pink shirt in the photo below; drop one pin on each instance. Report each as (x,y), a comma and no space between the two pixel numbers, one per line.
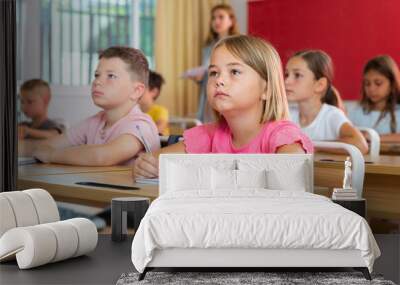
(246,90)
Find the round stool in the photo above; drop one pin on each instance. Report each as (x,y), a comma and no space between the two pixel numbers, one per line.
(119,209)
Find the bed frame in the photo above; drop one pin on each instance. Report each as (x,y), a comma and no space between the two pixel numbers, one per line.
(242,259)
(245,259)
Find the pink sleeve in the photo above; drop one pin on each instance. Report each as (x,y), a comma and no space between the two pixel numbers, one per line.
(147,129)
(285,133)
(199,139)
(77,134)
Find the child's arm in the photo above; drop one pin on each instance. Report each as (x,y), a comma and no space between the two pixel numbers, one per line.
(21,131)
(27,147)
(391,138)
(146,165)
(291,148)
(119,150)
(24,131)
(351,135)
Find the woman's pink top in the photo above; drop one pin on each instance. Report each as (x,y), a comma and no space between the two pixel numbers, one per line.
(217,138)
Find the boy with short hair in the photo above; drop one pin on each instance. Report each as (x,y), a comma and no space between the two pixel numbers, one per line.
(158,113)
(35,98)
(121,131)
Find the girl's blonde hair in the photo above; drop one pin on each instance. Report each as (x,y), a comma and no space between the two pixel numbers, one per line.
(264,59)
(233,30)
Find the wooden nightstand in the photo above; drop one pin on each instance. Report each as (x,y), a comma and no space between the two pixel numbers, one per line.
(358,206)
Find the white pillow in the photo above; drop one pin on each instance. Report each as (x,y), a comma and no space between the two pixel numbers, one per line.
(185,177)
(251,178)
(281,173)
(236,179)
(223,179)
(293,178)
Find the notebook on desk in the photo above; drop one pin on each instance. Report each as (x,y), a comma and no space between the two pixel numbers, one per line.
(25,160)
(153,181)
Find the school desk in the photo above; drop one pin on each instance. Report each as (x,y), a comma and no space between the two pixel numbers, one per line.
(390,148)
(64,187)
(50,169)
(381,182)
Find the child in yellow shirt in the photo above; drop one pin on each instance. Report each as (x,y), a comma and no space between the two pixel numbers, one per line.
(158,113)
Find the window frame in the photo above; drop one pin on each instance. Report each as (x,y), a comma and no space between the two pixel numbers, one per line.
(31,47)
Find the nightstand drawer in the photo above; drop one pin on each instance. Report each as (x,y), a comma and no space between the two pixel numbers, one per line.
(357,206)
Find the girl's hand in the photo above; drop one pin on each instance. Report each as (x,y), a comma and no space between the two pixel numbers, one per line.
(198,77)
(146,165)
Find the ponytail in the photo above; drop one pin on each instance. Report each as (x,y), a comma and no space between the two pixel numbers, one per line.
(320,64)
(331,96)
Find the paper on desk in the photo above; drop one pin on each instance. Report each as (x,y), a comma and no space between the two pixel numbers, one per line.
(142,180)
(24,160)
(194,72)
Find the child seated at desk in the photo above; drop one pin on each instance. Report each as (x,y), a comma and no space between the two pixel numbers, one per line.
(247,92)
(379,107)
(308,81)
(158,113)
(35,98)
(121,131)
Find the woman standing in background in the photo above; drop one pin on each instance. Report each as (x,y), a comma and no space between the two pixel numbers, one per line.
(223,23)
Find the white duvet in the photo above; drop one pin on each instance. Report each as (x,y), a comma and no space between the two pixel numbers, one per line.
(250,219)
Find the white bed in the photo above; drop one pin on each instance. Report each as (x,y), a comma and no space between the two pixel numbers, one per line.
(247,211)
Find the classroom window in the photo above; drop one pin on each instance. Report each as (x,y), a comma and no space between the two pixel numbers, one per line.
(73,31)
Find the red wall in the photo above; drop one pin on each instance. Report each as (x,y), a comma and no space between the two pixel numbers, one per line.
(350,31)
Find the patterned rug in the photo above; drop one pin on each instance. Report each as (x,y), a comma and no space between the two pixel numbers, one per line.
(269,278)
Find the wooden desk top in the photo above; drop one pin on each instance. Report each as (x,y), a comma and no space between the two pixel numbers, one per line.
(53,169)
(60,180)
(386,164)
(381,183)
(63,187)
(390,148)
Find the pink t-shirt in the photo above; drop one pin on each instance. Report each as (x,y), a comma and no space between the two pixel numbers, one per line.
(90,131)
(217,138)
